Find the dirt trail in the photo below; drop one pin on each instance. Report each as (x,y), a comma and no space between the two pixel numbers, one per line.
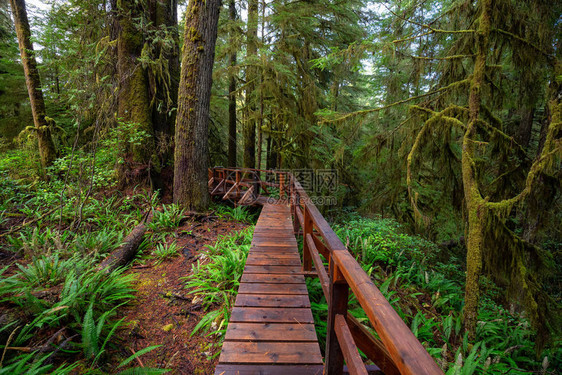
(164,314)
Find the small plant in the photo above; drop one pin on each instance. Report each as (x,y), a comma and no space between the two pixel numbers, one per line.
(169,218)
(36,241)
(100,242)
(48,271)
(165,251)
(34,364)
(92,333)
(239,213)
(216,277)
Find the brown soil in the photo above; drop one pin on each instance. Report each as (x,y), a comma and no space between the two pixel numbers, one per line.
(164,313)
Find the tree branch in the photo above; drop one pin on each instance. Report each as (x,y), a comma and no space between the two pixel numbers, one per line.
(366,111)
(549,57)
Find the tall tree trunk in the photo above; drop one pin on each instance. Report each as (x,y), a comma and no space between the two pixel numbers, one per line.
(268,152)
(191,156)
(475,204)
(251,79)
(260,134)
(133,100)
(232,92)
(164,91)
(47,151)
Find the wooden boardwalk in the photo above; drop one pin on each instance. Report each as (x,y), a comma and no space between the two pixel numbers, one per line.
(271,329)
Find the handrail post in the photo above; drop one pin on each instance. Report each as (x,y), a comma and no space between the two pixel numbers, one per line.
(337,304)
(237,183)
(256,184)
(292,201)
(296,206)
(281,185)
(308,226)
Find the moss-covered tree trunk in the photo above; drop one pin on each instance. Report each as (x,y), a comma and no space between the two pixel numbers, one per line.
(475,204)
(147,95)
(164,83)
(232,92)
(251,84)
(47,151)
(133,98)
(191,156)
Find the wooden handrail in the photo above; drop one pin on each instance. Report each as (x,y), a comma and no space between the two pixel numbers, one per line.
(398,351)
(349,349)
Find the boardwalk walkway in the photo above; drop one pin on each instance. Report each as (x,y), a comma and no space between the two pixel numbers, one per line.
(271,330)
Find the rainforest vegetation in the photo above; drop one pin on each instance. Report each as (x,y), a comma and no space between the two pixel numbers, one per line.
(442,120)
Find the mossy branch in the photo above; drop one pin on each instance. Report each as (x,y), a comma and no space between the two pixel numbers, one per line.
(548,56)
(453,57)
(436,118)
(378,109)
(433,31)
(425,26)
(552,148)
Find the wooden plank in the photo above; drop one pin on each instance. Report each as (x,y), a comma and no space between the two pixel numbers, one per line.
(272,261)
(271,300)
(264,278)
(269,369)
(273,269)
(274,248)
(270,243)
(282,255)
(275,243)
(276,238)
(348,347)
(270,352)
(271,315)
(271,288)
(271,332)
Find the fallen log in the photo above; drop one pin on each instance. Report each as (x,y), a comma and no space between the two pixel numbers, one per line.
(127,251)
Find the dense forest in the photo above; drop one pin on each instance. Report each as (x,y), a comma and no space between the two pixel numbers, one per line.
(442,121)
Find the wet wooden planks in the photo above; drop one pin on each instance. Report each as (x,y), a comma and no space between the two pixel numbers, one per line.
(271,329)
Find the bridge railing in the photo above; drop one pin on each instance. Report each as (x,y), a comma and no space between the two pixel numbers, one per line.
(245,185)
(398,351)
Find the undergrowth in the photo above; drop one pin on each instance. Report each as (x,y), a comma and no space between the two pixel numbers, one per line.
(58,313)
(215,278)
(239,213)
(428,296)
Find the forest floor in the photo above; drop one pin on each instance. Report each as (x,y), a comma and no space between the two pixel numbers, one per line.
(164,313)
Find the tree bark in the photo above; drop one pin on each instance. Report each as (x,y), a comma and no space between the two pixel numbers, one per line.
(525,127)
(126,252)
(191,156)
(47,151)
(164,91)
(133,98)
(232,92)
(251,78)
(475,204)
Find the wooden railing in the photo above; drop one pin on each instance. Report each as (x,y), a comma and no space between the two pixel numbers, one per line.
(398,351)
